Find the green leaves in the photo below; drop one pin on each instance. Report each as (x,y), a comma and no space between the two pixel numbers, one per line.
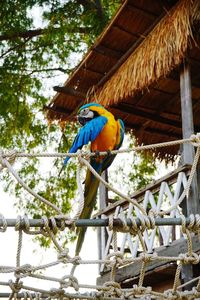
(142,171)
(132,171)
(37,45)
(42,39)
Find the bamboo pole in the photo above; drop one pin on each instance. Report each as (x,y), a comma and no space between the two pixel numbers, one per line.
(93,222)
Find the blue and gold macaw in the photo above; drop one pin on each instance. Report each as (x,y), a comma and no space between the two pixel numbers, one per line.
(105,134)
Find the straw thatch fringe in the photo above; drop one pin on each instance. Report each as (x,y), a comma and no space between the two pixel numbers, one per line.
(196,19)
(196,11)
(157,55)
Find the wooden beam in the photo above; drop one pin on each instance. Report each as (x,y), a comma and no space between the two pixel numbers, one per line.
(130,271)
(154,88)
(107,51)
(87,69)
(167,104)
(162,91)
(138,112)
(175,75)
(161,108)
(69,91)
(128,33)
(57,109)
(156,131)
(149,115)
(194,61)
(142,11)
(135,127)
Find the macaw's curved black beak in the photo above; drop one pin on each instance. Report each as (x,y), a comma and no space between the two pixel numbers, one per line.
(83,120)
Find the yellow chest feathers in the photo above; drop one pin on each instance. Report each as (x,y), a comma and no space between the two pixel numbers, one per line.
(108,137)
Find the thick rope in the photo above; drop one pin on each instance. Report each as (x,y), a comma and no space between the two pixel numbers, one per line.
(194,139)
(109,187)
(111,290)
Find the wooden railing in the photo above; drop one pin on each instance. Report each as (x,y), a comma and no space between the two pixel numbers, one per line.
(159,195)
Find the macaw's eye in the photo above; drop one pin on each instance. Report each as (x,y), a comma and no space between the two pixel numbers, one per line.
(84,112)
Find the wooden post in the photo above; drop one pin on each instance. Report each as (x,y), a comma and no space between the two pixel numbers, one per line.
(103,203)
(192,202)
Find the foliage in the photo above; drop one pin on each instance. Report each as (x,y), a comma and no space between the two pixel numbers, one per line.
(38,39)
(41,40)
(143,171)
(132,171)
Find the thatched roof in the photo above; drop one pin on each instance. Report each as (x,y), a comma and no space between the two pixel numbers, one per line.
(133,69)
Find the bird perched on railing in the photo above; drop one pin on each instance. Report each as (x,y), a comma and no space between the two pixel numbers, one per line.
(105,134)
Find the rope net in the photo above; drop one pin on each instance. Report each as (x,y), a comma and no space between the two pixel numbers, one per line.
(137,222)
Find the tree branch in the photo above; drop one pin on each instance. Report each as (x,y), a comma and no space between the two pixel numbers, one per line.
(14,48)
(36,32)
(85,3)
(99,8)
(92,4)
(65,71)
(30,72)
(23,34)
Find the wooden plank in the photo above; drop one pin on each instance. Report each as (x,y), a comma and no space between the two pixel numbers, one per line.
(130,271)
(163,274)
(153,187)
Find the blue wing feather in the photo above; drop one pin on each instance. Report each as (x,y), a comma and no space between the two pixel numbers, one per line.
(87,133)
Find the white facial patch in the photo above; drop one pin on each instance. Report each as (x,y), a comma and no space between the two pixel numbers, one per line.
(86,113)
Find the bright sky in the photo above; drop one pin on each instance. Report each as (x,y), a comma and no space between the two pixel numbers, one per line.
(35,255)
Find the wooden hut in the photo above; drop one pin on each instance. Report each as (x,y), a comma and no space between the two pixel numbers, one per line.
(145,68)
(134,70)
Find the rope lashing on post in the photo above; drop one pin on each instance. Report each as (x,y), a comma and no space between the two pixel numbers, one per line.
(121,225)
